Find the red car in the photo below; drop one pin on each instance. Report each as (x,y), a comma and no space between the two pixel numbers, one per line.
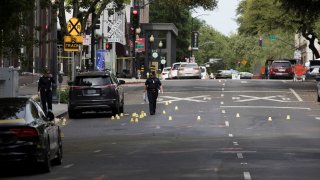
(281,69)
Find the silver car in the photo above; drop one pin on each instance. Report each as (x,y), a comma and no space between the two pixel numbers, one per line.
(189,70)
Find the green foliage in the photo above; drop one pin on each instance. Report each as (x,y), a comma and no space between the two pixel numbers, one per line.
(64,95)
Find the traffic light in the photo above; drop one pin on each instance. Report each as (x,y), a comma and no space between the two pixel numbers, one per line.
(135,18)
(108,46)
(97,24)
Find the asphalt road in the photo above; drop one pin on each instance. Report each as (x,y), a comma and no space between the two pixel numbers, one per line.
(208,129)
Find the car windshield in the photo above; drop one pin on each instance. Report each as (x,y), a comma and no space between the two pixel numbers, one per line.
(12,109)
(93,81)
(282,64)
(175,66)
(189,65)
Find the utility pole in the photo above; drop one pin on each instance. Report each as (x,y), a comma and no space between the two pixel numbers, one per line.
(92,41)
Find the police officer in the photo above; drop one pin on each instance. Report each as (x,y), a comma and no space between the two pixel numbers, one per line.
(152,86)
(45,85)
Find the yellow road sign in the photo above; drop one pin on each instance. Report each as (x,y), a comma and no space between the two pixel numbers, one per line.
(72,43)
(74,27)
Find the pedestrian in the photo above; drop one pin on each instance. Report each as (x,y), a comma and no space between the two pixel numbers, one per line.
(45,85)
(152,87)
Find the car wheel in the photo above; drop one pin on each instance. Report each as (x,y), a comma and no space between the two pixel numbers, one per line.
(45,166)
(116,109)
(72,114)
(58,159)
(122,107)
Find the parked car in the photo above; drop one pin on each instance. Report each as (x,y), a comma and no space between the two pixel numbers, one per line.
(28,135)
(189,70)
(95,91)
(281,69)
(165,73)
(245,75)
(174,70)
(204,72)
(226,74)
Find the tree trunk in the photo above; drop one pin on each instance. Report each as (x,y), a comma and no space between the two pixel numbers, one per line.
(311,43)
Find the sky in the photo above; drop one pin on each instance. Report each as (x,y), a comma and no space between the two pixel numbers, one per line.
(222,18)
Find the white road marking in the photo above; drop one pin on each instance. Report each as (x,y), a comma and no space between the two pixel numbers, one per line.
(266,107)
(221,102)
(223,111)
(244,82)
(239,155)
(96,151)
(230,135)
(222,95)
(222,89)
(193,99)
(255,98)
(235,143)
(68,166)
(247,175)
(296,94)
(227,123)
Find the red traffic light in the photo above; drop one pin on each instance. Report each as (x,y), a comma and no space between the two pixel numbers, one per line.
(108,46)
(135,11)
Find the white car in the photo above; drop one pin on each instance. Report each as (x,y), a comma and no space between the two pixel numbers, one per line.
(174,70)
(165,73)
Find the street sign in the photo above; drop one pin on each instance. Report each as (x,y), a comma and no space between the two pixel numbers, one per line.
(140,44)
(72,43)
(74,27)
(272,37)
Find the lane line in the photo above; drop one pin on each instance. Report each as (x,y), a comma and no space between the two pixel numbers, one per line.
(296,94)
(239,155)
(247,175)
(227,123)
(266,107)
(230,135)
(68,166)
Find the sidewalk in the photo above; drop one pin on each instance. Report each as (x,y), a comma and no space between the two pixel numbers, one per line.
(28,86)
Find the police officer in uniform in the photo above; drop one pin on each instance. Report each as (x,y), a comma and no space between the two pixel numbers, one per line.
(152,86)
(45,85)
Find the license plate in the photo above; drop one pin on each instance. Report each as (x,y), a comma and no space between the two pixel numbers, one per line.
(91,91)
(282,70)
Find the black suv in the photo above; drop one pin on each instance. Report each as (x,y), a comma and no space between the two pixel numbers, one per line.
(95,91)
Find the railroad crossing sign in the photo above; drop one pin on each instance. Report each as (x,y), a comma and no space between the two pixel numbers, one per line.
(74,27)
(72,43)
(114,31)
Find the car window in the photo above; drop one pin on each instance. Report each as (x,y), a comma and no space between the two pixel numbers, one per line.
(175,66)
(166,69)
(283,64)
(92,81)
(12,110)
(189,65)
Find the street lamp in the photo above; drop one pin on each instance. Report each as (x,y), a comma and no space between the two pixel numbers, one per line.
(151,39)
(190,52)
(160,45)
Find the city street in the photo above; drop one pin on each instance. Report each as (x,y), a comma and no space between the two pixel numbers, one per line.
(203,129)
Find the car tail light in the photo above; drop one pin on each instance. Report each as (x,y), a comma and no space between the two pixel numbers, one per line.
(76,87)
(25,132)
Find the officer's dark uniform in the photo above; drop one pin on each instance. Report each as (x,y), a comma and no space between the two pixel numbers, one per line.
(45,88)
(153,85)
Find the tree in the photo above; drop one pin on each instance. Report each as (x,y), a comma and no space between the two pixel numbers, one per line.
(82,9)
(306,17)
(179,13)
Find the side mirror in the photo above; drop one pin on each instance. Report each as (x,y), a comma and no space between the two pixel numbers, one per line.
(50,116)
(122,82)
(70,83)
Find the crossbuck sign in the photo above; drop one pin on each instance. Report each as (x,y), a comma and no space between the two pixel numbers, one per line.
(114,31)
